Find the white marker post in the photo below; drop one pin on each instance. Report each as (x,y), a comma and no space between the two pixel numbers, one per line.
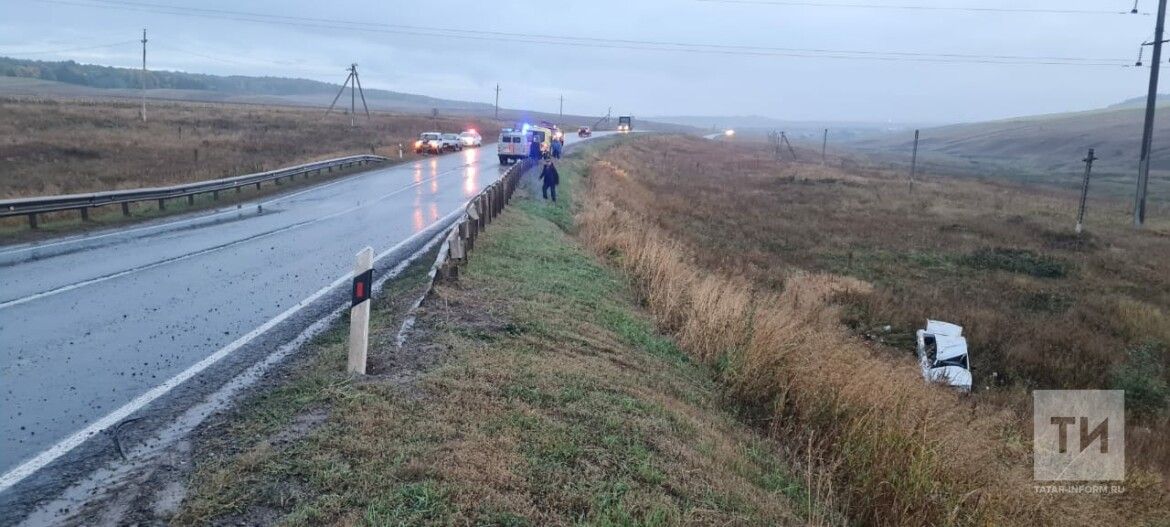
(359,312)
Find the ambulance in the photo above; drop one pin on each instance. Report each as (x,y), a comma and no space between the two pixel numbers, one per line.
(516,143)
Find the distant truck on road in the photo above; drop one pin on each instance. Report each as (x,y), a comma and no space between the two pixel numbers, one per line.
(625,123)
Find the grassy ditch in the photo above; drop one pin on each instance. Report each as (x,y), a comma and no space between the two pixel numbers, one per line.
(554,401)
(735,258)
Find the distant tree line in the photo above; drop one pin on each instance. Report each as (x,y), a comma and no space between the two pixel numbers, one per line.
(107,77)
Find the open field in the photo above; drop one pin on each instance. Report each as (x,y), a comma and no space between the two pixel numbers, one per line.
(784,276)
(65,146)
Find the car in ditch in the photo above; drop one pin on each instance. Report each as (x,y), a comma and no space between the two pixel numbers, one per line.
(943,355)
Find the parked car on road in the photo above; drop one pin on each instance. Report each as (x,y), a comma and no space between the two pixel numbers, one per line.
(429,143)
(584,131)
(471,139)
(942,354)
(452,142)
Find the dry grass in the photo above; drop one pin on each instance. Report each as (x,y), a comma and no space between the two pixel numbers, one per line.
(747,261)
(63,146)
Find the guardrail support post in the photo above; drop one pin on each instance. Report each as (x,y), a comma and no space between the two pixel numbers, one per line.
(466,237)
(162,204)
(190,199)
(359,313)
(215,195)
(125,208)
(257,185)
(481,212)
(32,220)
(84,214)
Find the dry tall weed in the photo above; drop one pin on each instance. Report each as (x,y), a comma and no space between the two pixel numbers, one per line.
(897,451)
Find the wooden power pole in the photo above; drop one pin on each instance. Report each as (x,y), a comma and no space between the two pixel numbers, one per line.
(1139,202)
(355,87)
(914,161)
(144,75)
(824,144)
(1085,190)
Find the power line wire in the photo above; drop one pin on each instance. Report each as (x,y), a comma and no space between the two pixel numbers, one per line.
(591,42)
(907,7)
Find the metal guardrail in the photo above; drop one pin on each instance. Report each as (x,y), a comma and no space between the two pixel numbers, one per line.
(457,240)
(478,213)
(83,202)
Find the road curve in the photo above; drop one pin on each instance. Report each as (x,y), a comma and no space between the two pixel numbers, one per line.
(92,323)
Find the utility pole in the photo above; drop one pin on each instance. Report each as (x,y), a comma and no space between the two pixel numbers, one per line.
(355,88)
(1085,190)
(562,110)
(144,75)
(791,150)
(824,144)
(497,101)
(914,161)
(1139,203)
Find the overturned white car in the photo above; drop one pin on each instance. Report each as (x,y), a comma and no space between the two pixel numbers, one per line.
(942,353)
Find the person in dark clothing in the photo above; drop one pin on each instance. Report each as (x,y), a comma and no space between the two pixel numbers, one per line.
(549,179)
(534,150)
(557,145)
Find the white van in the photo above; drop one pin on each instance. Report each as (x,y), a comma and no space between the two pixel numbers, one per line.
(513,145)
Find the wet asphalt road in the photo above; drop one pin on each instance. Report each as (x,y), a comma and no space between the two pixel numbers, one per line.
(87,324)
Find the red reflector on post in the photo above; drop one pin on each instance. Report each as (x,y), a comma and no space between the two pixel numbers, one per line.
(361,287)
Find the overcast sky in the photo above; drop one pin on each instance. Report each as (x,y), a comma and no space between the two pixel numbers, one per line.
(611,66)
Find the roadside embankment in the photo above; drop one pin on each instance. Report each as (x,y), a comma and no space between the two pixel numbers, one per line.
(893,450)
(532,391)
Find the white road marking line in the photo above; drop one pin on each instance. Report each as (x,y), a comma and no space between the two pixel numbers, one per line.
(63,447)
(100,279)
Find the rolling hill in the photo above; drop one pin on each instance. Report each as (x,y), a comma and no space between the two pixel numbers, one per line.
(1042,148)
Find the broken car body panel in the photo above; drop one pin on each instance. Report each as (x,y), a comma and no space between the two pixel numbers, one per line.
(943,356)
